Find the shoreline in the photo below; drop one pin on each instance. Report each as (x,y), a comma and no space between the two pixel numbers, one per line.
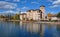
(50,22)
(14,20)
(35,22)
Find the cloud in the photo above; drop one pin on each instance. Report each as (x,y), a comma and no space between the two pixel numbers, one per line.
(50,0)
(23,12)
(13,0)
(18,9)
(10,11)
(55,3)
(24,7)
(16,0)
(7,6)
(34,2)
(53,12)
(54,6)
(23,2)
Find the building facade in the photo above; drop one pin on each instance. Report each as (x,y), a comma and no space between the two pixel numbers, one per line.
(33,15)
(52,17)
(38,14)
(23,16)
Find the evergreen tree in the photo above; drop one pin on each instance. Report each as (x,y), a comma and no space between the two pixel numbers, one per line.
(58,15)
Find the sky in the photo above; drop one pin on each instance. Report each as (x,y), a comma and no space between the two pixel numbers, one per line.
(15,6)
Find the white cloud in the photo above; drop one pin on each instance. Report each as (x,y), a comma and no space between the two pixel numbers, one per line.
(7,5)
(13,0)
(18,9)
(55,3)
(50,0)
(23,12)
(10,11)
(23,2)
(24,7)
(52,12)
(54,6)
(35,2)
(16,0)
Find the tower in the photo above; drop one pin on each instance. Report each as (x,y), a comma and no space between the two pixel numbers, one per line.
(42,8)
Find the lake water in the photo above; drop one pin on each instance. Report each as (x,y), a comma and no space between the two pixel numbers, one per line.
(19,29)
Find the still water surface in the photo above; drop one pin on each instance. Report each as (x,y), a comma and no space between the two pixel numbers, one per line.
(19,29)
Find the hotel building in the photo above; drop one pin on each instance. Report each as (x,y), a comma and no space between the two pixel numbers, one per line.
(38,14)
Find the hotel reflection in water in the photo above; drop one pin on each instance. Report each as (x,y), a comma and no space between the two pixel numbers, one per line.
(33,28)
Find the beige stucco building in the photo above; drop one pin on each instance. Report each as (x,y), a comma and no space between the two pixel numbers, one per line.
(33,14)
(23,16)
(38,14)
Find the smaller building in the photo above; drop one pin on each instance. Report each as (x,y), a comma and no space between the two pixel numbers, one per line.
(23,16)
(52,17)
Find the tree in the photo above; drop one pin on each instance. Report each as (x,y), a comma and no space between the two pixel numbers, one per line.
(58,15)
(15,17)
(1,16)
